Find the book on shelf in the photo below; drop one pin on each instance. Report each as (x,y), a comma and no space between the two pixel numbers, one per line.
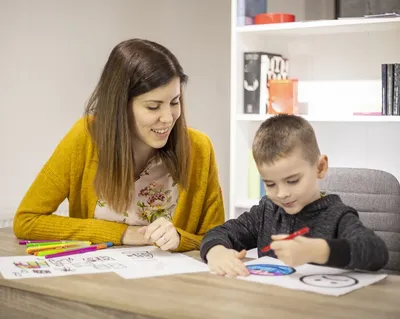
(283,96)
(256,187)
(390,75)
(248,9)
(396,89)
(258,69)
(369,9)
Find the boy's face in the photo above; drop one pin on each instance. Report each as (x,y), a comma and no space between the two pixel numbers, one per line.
(291,182)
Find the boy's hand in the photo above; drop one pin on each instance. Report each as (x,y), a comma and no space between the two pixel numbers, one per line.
(300,250)
(223,261)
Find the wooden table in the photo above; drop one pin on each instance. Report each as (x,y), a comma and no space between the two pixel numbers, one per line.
(199,295)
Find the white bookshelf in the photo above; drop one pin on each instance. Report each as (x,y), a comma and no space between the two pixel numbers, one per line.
(319,27)
(321,118)
(338,64)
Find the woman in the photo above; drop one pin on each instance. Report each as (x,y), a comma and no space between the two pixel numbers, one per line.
(132,171)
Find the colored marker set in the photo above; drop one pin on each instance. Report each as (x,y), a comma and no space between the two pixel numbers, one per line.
(52,249)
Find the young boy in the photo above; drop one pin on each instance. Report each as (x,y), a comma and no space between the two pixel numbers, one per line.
(287,155)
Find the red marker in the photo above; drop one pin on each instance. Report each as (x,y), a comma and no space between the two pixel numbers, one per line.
(300,232)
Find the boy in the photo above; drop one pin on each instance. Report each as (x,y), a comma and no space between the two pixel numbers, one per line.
(287,155)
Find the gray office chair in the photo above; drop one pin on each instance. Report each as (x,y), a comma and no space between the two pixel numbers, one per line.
(375,195)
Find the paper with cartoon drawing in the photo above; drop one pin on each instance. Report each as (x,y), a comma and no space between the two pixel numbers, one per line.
(135,262)
(318,279)
(33,267)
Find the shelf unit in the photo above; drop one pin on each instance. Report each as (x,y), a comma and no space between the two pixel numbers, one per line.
(310,118)
(324,27)
(338,64)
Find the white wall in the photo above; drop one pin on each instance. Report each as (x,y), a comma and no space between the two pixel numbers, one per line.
(51,56)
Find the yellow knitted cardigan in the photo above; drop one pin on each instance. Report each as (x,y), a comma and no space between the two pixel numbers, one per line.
(70,172)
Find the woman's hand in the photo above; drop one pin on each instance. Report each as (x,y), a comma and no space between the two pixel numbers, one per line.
(133,237)
(163,233)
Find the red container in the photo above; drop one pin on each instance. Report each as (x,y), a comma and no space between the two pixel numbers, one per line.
(266,18)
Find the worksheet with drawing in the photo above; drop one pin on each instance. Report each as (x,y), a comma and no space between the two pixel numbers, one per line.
(33,267)
(150,261)
(318,279)
(135,262)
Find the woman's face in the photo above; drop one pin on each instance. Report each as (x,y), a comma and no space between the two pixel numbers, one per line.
(154,115)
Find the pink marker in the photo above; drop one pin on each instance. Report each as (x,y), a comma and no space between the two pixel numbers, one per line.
(300,232)
(79,250)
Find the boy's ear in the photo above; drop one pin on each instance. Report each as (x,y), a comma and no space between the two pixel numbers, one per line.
(322,167)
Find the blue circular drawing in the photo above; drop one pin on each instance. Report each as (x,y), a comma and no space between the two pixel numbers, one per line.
(270,270)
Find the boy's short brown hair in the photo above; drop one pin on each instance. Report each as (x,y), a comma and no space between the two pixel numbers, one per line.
(279,135)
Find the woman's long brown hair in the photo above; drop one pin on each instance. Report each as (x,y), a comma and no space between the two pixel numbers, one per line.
(134,67)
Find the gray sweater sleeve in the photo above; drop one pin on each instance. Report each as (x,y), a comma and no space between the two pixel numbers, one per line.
(356,247)
(240,233)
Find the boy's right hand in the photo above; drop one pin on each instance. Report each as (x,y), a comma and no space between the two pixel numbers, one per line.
(224,261)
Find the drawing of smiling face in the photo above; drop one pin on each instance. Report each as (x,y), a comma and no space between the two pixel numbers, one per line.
(329,281)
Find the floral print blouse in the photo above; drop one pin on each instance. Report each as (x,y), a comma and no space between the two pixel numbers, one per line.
(156,195)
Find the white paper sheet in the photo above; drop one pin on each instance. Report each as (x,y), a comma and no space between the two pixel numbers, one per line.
(149,261)
(35,267)
(253,253)
(318,279)
(134,262)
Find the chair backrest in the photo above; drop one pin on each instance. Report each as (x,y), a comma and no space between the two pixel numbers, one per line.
(375,194)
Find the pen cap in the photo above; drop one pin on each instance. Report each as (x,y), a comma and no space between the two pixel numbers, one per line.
(104,245)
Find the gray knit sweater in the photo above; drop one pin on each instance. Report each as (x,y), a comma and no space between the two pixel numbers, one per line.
(351,245)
